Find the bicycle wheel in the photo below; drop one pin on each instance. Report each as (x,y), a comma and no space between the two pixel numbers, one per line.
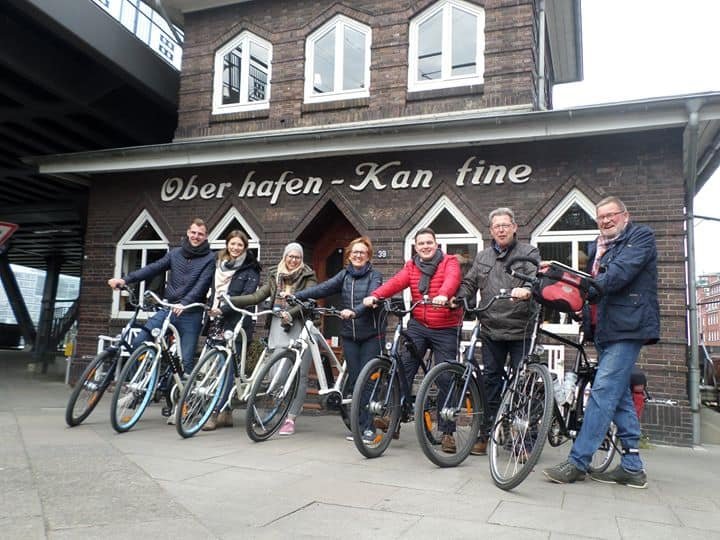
(345,407)
(375,408)
(521,426)
(202,392)
(91,386)
(443,408)
(268,402)
(604,455)
(134,388)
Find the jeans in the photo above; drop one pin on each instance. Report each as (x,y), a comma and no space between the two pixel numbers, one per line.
(188,325)
(494,356)
(611,401)
(357,354)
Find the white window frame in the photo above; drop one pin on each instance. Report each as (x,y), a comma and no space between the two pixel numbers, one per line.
(217,243)
(338,23)
(244,105)
(446,80)
(472,236)
(543,234)
(126,243)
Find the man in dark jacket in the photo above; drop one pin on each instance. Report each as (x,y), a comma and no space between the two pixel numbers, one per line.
(191,271)
(505,324)
(626,317)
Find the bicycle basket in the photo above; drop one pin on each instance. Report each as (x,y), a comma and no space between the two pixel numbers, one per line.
(561,288)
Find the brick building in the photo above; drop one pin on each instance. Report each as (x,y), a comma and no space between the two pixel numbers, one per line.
(708,298)
(322,120)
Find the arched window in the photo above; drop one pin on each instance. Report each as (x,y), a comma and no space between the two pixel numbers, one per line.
(337,61)
(447,46)
(142,244)
(456,236)
(564,236)
(241,80)
(233,220)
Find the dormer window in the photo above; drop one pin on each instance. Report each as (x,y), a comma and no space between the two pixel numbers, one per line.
(337,61)
(241,79)
(447,45)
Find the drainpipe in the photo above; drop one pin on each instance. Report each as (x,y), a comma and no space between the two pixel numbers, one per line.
(541,57)
(693,359)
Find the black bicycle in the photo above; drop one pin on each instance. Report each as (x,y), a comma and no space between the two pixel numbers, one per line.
(529,414)
(451,401)
(382,397)
(101,371)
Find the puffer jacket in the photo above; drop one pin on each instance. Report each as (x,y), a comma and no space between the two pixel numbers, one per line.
(353,290)
(190,277)
(506,320)
(269,288)
(245,280)
(445,282)
(628,308)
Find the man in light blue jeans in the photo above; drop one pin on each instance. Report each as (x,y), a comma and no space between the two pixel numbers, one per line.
(625,317)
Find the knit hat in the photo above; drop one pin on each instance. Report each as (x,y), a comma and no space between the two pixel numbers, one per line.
(293,246)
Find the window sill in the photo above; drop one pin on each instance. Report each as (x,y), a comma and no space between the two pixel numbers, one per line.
(239,115)
(457,91)
(335,105)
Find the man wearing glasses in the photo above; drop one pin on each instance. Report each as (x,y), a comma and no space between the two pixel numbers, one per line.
(625,317)
(504,325)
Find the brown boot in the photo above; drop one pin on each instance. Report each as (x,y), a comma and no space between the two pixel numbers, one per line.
(225,419)
(447,444)
(479,448)
(212,423)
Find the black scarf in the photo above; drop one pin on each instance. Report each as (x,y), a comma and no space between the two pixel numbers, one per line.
(190,252)
(358,272)
(428,269)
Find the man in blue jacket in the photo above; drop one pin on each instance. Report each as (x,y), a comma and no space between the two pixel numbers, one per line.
(625,317)
(191,266)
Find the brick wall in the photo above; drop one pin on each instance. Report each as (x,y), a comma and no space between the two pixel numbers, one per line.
(510,42)
(644,169)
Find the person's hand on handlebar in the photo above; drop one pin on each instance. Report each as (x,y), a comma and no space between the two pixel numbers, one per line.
(347,314)
(116,283)
(520,293)
(177,311)
(440,300)
(370,301)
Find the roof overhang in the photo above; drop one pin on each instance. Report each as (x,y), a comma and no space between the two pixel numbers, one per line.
(416,133)
(564,30)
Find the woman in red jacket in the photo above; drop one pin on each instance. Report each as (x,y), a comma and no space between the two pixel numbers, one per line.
(436,276)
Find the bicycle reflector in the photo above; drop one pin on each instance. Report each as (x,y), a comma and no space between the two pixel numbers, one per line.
(155,332)
(227,335)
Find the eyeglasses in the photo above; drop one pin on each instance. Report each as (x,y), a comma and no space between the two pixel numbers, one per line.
(502,226)
(609,215)
(358,253)
(294,257)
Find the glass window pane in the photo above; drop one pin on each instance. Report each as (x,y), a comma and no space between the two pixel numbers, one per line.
(231,76)
(445,223)
(464,43)
(324,63)
(145,233)
(354,66)
(430,48)
(257,85)
(234,225)
(575,219)
(131,260)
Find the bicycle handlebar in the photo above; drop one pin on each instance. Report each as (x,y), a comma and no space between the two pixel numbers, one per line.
(504,294)
(168,305)
(245,312)
(311,305)
(540,273)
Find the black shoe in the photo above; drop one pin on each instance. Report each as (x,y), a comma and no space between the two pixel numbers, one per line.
(565,473)
(620,476)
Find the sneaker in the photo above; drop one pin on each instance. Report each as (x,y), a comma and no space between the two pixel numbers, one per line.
(288,428)
(479,448)
(349,437)
(620,476)
(225,419)
(447,444)
(211,424)
(171,418)
(565,473)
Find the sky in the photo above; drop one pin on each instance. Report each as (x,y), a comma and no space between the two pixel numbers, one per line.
(636,49)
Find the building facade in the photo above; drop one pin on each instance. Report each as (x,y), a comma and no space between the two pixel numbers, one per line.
(320,121)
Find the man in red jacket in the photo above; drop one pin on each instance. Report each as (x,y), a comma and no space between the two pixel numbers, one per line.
(435,276)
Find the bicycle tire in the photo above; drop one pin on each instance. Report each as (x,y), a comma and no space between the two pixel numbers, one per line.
(345,407)
(377,401)
(521,427)
(268,405)
(90,387)
(604,455)
(201,393)
(438,397)
(135,388)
